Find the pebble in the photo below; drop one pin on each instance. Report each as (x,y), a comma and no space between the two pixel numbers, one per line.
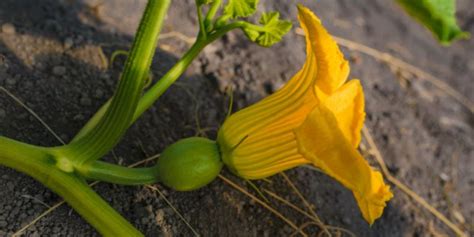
(444,177)
(85,101)
(78,117)
(11,81)
(346,220)
(8,28)
(68,43)
(10,186)
(98,94)
(59,70)
(453,122)
(160,217)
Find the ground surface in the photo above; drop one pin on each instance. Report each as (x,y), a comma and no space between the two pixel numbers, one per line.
(51,60)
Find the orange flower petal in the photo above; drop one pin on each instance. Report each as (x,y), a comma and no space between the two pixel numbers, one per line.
(347,105)
(322,142)
(333,69)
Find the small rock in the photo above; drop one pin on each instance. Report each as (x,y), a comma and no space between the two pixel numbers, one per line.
(11,81)
(8,28)
(39,65)
(85,101)
(444,177)
(453,122)
(78,117)
(68,43)
(10,186)
(98,94)
(5,177)
(59,70)
(160,217)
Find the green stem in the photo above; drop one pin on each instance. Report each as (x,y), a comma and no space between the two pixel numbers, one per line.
(212,12)
(117,174)
(155,92)
(119,114)
(135,176)
(42,165)
(202,28)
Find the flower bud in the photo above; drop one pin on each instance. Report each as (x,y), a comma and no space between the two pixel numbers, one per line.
(189,164)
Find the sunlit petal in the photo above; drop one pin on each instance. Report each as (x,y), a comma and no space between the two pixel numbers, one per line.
(347,104)
(333,69)
(321,141)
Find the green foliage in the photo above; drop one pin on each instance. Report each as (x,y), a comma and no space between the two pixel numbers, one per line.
(189,164)
(438,16)
(271,31)
(240,8)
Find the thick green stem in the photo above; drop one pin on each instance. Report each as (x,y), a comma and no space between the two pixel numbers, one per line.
(97,170)
(119,114)
(103,171)
(52,172)
(155,92)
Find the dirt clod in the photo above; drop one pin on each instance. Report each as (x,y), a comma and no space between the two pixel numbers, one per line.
(8,28)
(59,70)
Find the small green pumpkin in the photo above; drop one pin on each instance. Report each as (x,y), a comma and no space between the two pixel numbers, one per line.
(189,164)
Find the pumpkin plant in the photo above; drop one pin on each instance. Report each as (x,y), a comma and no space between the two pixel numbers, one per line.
(66,169)
(316,118)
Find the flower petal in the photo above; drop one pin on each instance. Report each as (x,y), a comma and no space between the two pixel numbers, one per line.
(322,142)
(347,105)
(333,69)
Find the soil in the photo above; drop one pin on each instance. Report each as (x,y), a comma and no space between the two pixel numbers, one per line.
(52,57)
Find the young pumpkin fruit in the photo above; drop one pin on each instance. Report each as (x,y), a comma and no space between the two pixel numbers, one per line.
(189,164)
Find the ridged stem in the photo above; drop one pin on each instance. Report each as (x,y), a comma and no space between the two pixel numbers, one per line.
(53,172)
(118,116)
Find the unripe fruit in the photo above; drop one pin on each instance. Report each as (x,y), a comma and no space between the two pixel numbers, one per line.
(189,164)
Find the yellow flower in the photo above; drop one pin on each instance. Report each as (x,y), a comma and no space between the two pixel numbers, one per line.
(316,118)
